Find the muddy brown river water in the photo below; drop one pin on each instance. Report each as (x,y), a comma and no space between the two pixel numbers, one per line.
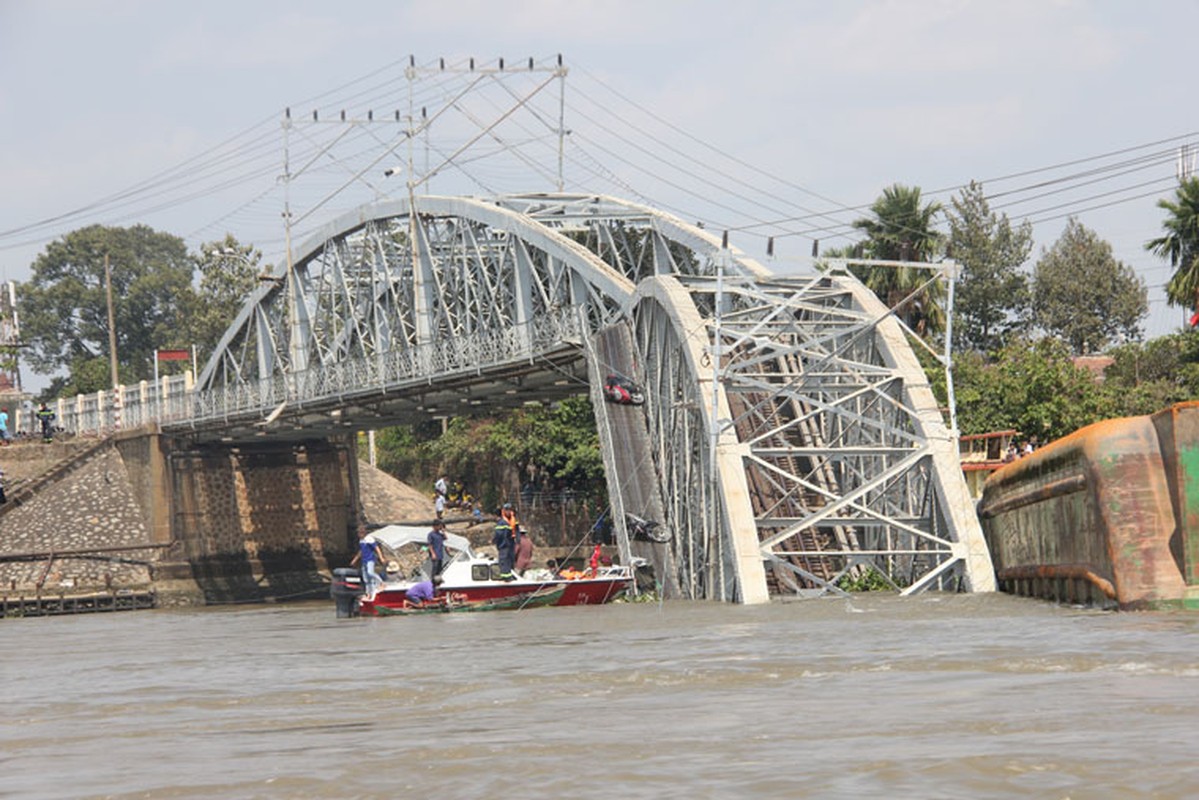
(936,696)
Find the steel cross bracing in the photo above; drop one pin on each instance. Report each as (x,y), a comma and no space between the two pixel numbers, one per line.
(814,453)
(832,461)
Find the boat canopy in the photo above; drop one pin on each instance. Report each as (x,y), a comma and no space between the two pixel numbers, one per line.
(396,536)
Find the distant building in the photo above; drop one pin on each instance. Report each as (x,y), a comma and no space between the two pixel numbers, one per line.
(981,454)
(1094,364)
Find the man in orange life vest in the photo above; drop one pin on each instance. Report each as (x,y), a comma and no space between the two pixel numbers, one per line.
(507,531)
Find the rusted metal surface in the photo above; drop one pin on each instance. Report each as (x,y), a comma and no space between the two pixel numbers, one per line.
(1057,572)
(1109,505)
(1038,494)
(1179,424)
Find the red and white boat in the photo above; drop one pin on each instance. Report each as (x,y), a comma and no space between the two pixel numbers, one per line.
(471,578)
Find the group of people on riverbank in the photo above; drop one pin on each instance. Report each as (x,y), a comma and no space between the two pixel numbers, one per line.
(1014,452)
(447,495)
(43,417)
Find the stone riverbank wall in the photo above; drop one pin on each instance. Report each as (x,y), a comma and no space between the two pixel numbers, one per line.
(1108,515)
(210,524)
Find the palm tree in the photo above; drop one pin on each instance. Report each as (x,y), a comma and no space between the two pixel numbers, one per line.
(1180,244)
(902,230)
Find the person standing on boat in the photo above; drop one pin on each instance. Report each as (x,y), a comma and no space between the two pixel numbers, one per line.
(504,539)
(370,556)
(595,560)
(436,542)
(524,553)
(508,515)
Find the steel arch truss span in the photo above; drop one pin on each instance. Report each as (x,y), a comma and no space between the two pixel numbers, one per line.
(380,300)
(794,435)
(799,445)
(455,297)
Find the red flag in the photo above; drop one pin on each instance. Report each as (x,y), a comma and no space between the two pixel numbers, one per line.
(1195,319)
(174,355)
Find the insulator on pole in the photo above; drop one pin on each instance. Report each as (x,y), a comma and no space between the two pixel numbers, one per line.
(770,246)
(314,116)
(559,59)
(370,115)
(411,60)
(724,241)
(815,247)
(287,113)
(472,64)
(530,63)
(397,115)
(343,115)
(501,65)
(423,113)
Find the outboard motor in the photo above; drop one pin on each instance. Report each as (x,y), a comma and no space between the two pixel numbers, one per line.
(345,590)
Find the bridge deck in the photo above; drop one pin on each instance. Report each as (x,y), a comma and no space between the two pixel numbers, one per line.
(630,463)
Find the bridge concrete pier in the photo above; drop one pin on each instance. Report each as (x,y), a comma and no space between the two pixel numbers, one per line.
(211,523)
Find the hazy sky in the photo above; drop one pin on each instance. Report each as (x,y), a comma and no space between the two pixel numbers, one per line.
(771,118)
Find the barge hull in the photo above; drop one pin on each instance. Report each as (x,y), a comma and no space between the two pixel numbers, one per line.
(1107,516)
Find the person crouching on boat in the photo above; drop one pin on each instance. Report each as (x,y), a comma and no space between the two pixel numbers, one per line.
(370,556)
(420,593)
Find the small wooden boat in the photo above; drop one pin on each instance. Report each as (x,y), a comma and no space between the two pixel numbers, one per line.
(547,596)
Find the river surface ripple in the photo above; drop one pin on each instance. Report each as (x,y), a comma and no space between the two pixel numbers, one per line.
(952,696)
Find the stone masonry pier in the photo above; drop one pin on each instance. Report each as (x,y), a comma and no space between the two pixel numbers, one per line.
(215,523)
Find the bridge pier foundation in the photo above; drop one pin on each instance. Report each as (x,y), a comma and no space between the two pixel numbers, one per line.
(195,524)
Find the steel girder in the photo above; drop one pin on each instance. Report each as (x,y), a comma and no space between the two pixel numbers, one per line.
(813,446)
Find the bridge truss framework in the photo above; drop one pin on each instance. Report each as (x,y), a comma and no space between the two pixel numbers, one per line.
(795,440)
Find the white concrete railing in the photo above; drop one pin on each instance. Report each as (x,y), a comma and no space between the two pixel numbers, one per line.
(169,400)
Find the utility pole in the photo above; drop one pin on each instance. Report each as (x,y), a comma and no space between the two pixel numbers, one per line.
(112,346)
(112,325)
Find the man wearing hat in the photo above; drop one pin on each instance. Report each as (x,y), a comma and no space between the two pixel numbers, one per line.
(370,556)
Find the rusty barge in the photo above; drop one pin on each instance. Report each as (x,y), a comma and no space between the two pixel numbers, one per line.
(1106,516)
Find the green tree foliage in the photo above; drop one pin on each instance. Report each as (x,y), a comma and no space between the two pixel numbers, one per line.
(1148,377)
(493,455)
(65,318)
(992,297)
(229,273)
(1180,244)
(1082,294)
(901,229)
(1032,387)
